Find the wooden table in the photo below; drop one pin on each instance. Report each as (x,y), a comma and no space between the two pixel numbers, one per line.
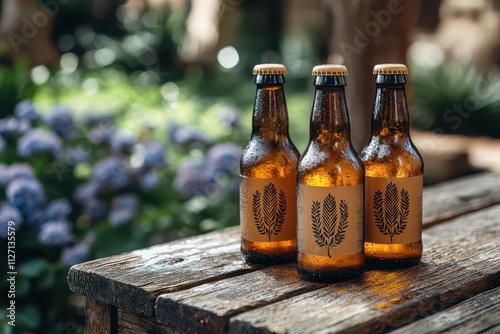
(201,284)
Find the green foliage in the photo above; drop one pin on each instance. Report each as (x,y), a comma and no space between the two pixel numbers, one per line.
(15,85)
(455,98)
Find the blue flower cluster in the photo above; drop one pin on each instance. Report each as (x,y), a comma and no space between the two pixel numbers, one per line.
(206,177)
(39,141)
(186,137)
(115,167)
(60,121)
(123,209)
(26,201)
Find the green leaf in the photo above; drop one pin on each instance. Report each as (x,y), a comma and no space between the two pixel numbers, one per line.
(30,316)
(33,268)
(22,286)
(47,279)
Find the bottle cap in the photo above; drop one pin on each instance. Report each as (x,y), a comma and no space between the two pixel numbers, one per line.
(390,69)
(330,70)
(269,69)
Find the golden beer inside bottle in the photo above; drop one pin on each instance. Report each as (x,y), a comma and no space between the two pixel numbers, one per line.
(330,187)
(394,210)
(268,170)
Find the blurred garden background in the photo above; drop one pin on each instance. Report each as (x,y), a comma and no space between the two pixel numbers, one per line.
(122,121)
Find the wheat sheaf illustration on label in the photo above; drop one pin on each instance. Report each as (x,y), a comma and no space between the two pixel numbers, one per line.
(324,222)
(269,210)
(391,210)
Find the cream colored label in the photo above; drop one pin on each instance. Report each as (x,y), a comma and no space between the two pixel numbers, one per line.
(330,220)
(393,209)
(268,209)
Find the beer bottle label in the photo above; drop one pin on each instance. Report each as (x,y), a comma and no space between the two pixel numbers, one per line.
(393,209)
(268,209)
(330,220)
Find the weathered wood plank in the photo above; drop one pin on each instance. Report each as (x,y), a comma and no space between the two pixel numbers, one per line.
(461,259)
(475,315)
(459,196)
(100,318)
(208,307)
(131,323)
(132,281)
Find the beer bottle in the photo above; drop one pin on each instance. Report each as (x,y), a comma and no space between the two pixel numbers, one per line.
(268,171)
(393,177)
(330,187)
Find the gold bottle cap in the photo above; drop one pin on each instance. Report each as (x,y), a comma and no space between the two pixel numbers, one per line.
(269,69)
(330,69)
(390,69)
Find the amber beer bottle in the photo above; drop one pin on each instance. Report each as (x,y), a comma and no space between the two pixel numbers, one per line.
(268,169)
(393,177)
(330,187)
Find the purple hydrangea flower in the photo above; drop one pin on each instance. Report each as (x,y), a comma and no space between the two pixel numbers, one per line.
(25,194)
(186,137)
(13,127)
(102,133)
(75,254)
(94,209)
(123,209)
(8,213)
(122,142)
(2,144)
(56,233)
(96,118)
(19,171)
(153,153)
(26,110)
(223,157)
(37,141)
(110,173)
(37,217)
(192,179)
(86,192)
(60,121)
(149,180)
(77,155)
(58,209)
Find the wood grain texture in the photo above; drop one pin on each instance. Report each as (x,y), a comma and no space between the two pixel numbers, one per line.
(132,323)
(132,281)
(100,318)
(208,307)
(459,196)
(461,259)
(478,314)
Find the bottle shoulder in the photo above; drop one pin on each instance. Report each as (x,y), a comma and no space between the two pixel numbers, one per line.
(267,160)
(327,167)
(382,158)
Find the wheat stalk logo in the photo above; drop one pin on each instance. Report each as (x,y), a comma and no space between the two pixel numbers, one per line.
(269,213)
(391,212)
(324,226)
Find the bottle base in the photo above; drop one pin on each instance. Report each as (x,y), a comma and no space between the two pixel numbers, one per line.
(330,276)
(273,252)
(259,258)
(381,263)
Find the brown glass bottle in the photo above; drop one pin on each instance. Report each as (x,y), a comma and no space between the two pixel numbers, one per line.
(268,171)
(393,177)
(330,187)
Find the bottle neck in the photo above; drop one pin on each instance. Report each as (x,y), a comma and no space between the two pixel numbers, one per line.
(270,117)
(329,118)
(390,112)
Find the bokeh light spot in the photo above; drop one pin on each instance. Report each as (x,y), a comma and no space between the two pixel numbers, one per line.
(40,74)
(228,57)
